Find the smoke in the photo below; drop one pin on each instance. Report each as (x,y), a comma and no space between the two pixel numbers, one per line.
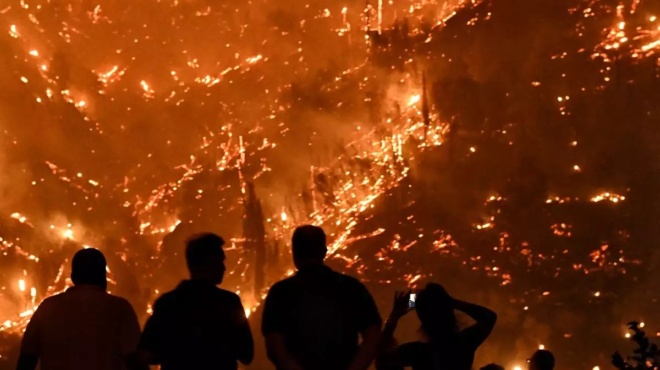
(12,188)
(205,96)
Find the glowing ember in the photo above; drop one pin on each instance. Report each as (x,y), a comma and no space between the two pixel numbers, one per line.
(607,196)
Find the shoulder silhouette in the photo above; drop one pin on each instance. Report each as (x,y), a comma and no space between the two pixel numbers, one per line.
(492,367)
(446,347)
(313,319)
(84,319)
(198,325)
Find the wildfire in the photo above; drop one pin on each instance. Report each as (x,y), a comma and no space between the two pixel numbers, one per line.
(67,233)
(19,217)
(13,31)
(111,76)
(607,196)
(244,132)
(148,92)
(641,41)
(414,100)
(21,285)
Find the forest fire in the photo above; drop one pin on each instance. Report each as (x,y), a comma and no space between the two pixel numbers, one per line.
(388,125)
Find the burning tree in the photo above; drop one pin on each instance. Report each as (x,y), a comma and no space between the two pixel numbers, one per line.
(645,355)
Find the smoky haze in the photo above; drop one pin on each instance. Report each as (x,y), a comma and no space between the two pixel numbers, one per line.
(128,127)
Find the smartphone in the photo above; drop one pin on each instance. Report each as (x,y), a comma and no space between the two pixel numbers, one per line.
(411,300)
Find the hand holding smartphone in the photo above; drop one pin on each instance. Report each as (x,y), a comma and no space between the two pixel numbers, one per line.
(412,297)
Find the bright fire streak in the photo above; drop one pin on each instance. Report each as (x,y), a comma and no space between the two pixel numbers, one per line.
(13,32)
(284,216)
(67,234)
(414,99)
(651,46)
(614,198)
(21,285)
(254,59)
(173,226)
(19,217)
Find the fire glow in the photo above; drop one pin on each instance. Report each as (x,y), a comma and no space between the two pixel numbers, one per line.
(166,117)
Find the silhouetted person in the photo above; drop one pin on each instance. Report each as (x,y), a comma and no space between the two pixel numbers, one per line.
(312,320)
(445,347)
(492,367)
(83,328)
(198,325)
(542,360)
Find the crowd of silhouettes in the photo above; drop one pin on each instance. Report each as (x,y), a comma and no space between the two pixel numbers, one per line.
(317,319)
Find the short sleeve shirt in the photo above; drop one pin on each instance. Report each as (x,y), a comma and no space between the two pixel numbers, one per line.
(320,313)
(196,326)
(83,328)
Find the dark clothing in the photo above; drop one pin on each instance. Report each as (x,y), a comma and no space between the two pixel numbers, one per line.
(455,353)
(426,356)
(320,313)
(197,326)
(449,351)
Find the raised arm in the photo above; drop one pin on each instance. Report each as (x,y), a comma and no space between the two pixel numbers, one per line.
(399,309)
(388,356)
(485,322)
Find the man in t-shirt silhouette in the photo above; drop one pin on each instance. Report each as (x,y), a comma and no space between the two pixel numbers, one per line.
(313,319)
(198,325)
(83,328)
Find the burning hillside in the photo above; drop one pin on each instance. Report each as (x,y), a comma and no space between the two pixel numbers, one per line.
(511,143)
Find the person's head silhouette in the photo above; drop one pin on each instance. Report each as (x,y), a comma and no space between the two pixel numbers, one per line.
(205,258)
(435,309)
(542,360)
(309,246)
(88,267)
(492,367)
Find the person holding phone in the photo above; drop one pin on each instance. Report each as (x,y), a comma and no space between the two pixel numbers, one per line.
(445,346)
